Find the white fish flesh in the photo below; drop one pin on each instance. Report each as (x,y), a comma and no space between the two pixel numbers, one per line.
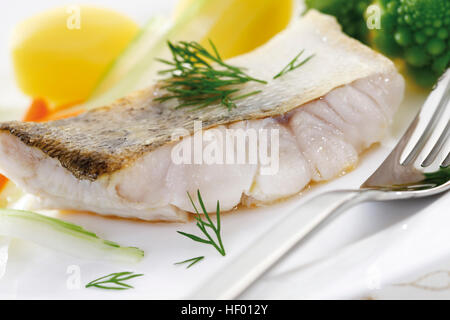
(119,159)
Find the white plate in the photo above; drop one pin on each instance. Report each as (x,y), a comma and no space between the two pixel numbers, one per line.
(35,272)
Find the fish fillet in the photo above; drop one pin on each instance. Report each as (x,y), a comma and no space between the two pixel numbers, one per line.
(118,159)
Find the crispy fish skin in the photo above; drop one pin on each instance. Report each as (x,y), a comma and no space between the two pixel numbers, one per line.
(111,138)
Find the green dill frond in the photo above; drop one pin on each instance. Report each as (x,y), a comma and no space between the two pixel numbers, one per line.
(199,78)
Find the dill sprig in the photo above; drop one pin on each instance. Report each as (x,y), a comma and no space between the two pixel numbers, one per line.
(203,225)
(193,261)
(114,281)
(292,66)
(200,78)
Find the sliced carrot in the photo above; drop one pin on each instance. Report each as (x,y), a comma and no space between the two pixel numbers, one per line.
(64,111)
(63,115)
(37,111)
(67,106)
(3,182)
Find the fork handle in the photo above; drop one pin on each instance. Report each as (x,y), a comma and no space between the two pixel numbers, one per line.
(232,280)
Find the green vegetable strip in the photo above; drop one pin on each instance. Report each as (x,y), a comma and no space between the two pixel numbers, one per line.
(40,229)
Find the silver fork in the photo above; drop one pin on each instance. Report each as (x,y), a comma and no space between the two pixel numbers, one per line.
(419,166)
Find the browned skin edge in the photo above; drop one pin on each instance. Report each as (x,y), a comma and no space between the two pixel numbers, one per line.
(108,139)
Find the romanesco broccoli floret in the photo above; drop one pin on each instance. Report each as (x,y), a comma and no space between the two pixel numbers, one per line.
(419,32)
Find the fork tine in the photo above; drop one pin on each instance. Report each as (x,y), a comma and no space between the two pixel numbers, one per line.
(446,162)
(430,115)
(437,147)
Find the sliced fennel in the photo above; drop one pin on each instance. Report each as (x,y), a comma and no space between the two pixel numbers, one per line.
(63,236)
(136,51)
(137,67)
